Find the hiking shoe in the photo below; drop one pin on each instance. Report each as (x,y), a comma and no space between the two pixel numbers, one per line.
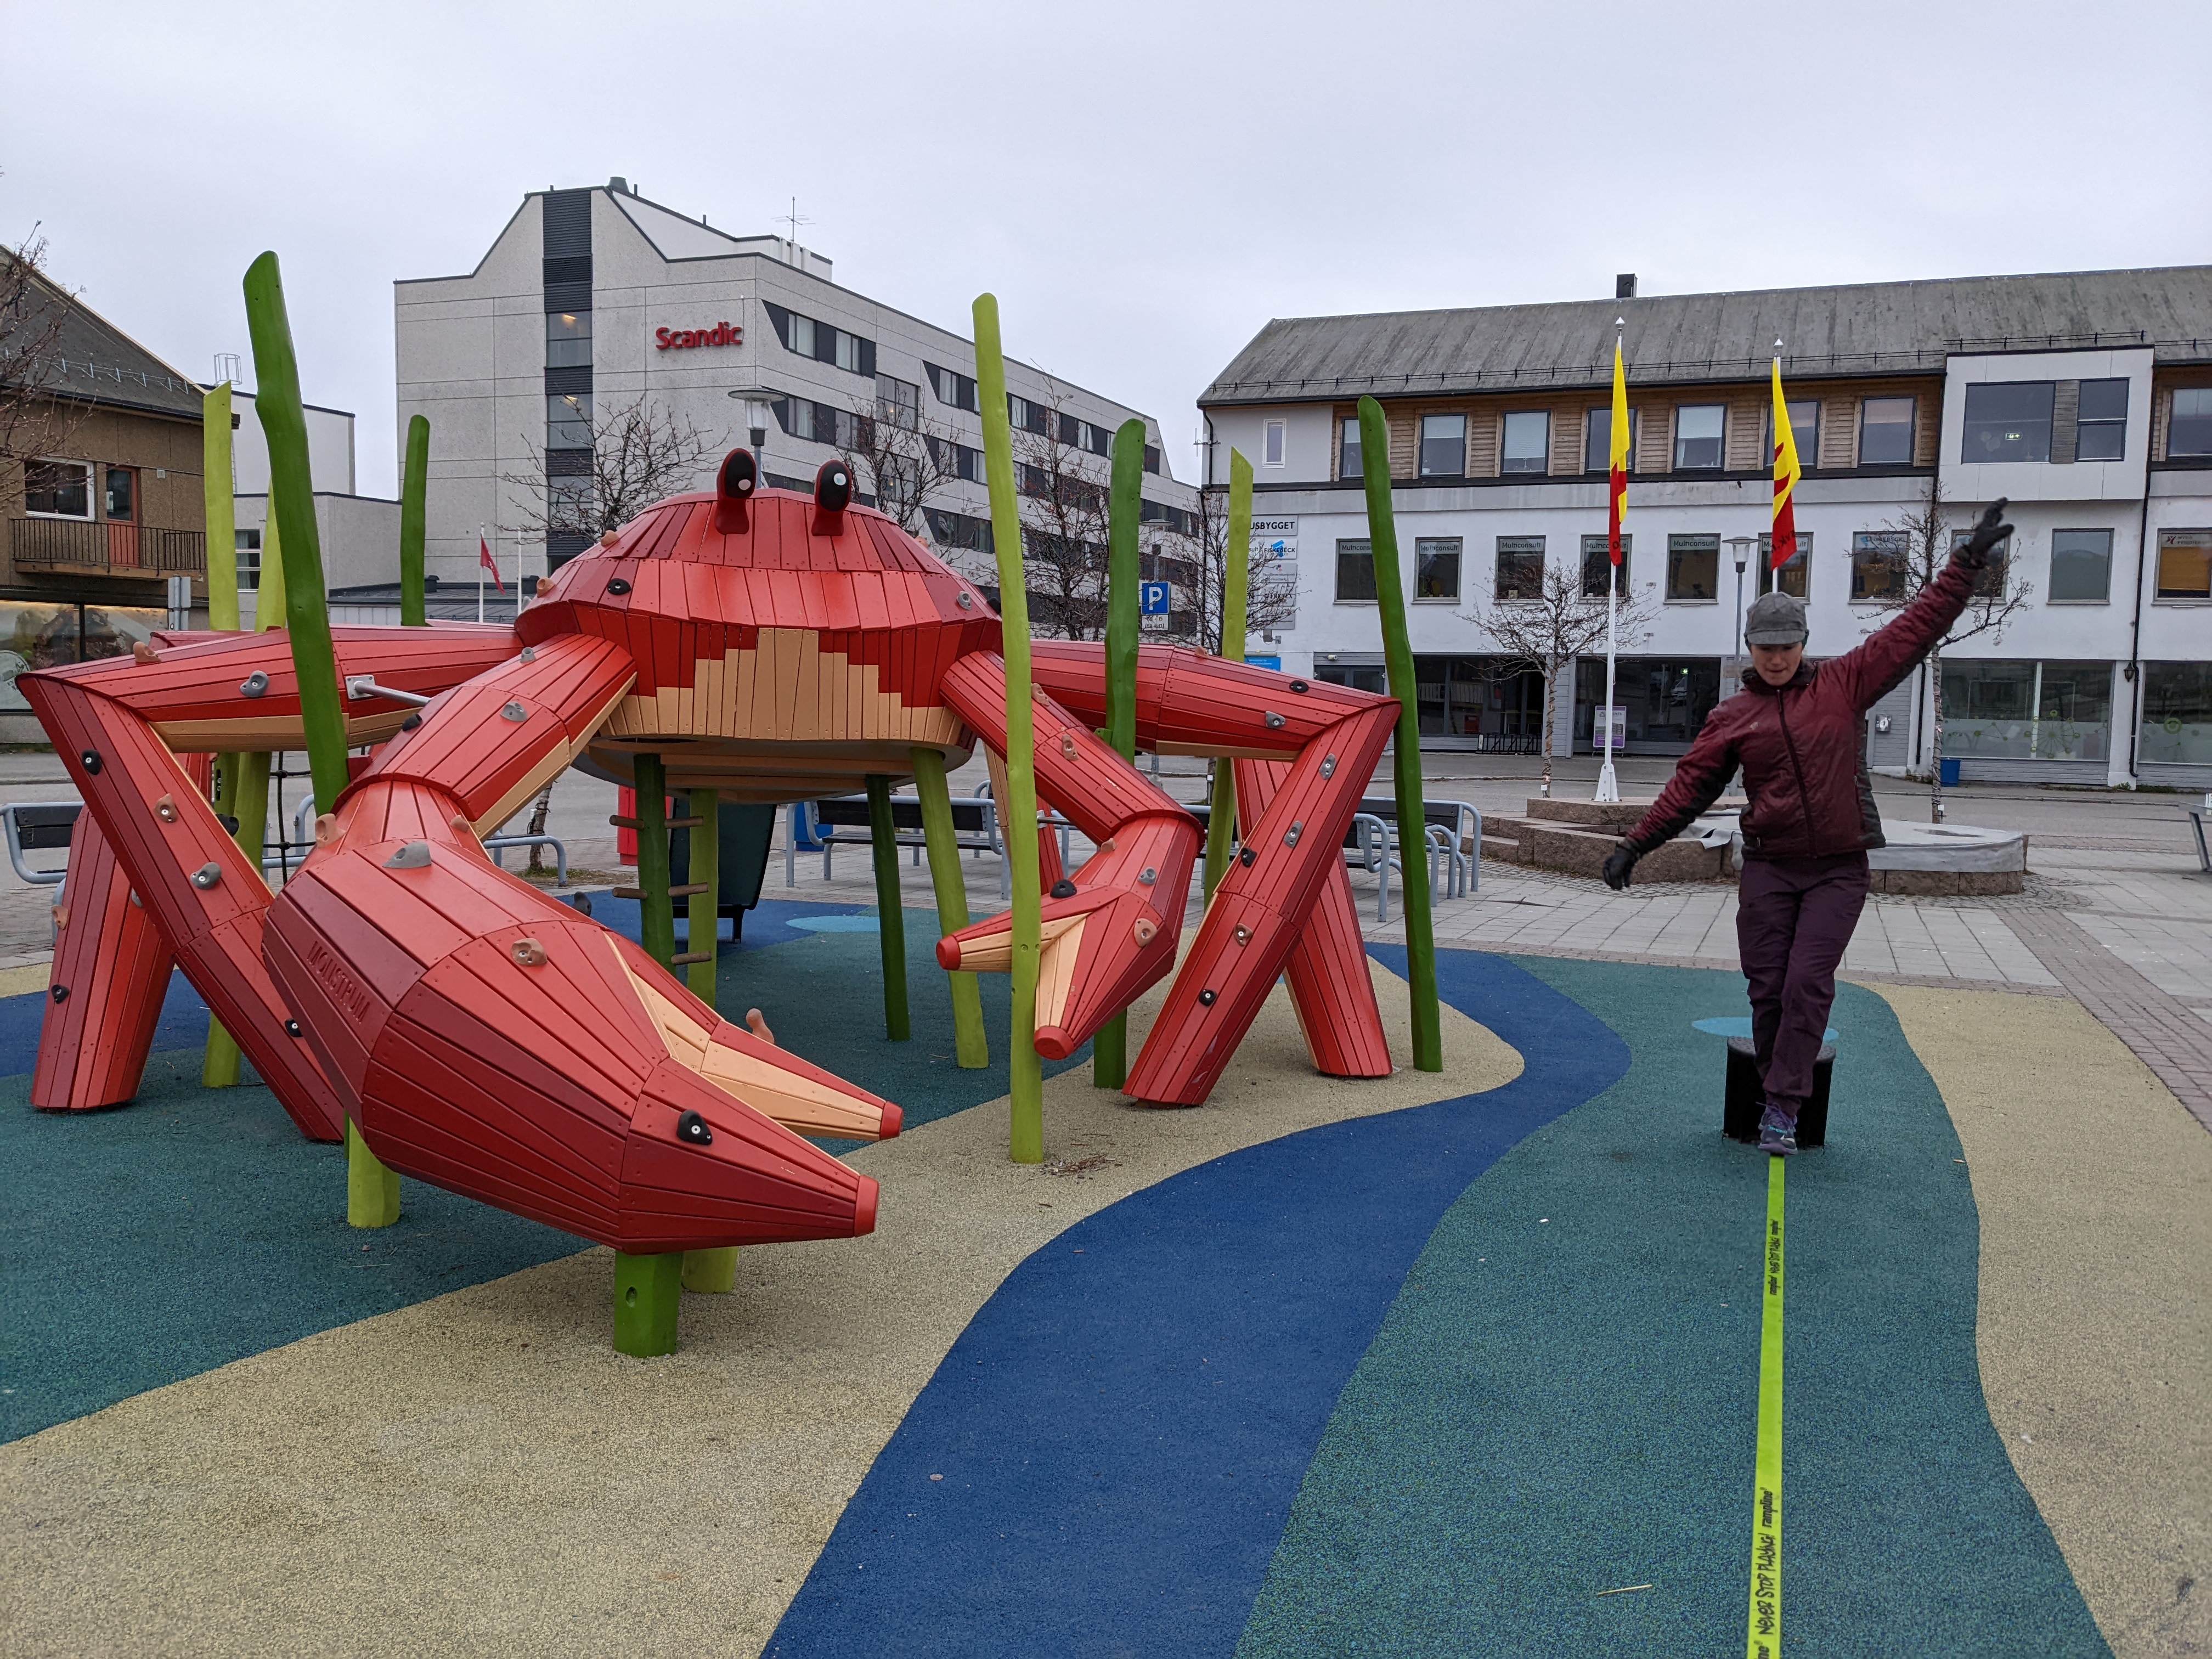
(1777,1134)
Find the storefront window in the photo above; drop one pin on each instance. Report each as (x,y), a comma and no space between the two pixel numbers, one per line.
(1477,697)
(34,636)
(2176,727)
(2028,710)
(1667,700)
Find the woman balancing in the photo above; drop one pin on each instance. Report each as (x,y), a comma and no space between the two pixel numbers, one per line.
(1797,733)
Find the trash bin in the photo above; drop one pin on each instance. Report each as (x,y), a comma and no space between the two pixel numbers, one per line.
(1746,1098)
(1950,770)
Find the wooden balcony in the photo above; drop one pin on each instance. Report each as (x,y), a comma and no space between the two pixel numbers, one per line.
(76,547)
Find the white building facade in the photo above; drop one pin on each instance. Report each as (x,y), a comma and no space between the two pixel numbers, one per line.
(593,303)
(2084,399)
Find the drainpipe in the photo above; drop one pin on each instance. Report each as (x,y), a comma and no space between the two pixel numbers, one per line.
(2135,633)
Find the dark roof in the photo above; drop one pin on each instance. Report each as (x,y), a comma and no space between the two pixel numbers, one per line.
(92,359)
(1874,328)
(441,602)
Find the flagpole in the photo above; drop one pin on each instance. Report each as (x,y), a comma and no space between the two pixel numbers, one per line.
(480,542)
(1608,785)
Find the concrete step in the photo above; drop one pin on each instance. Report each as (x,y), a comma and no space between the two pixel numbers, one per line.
(1617,817)
(1583,852)
(1502,848)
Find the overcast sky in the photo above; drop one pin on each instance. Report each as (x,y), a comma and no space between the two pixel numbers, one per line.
(1143,186)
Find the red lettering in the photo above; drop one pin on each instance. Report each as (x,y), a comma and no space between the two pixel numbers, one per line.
(723,333)
(661,334)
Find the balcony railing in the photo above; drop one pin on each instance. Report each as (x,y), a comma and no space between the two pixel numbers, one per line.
(114,549)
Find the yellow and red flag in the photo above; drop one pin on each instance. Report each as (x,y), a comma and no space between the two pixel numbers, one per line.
(1616,470)
(1786,474)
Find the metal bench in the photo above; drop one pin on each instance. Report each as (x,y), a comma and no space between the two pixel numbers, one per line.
(2196,823)
(842,820)
(1453,834)
(40,827)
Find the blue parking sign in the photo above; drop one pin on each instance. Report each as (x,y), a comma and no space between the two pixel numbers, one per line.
(1153,600)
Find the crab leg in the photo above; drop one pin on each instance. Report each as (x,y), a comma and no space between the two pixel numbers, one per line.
(490,1039)
(110,967)
(1112,932)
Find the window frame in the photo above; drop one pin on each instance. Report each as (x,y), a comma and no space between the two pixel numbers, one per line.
(91,514)
(1967,424)
(1543,456)
(1896,548)
(1719,442)
(2159,592)
(1807,458)
(2117,423)
(1635,423)
(2051,593)
(1345,549)
(1458,556)
(584,338)
(1800,562)
(1347,438)
(1538,551)
(1910,423)
(109,472)
(1600,548)
(1672,548)
(1275,443)
(2174,416)
(1421,441)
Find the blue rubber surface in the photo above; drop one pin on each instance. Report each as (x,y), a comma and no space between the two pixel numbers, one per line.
(1123,1428)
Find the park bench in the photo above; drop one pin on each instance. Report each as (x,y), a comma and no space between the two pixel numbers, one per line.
(842,820)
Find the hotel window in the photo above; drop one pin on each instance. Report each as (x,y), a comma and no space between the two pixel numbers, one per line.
(2189,432)
(2080,566)
(568,339)
(1697,432)
(1520,569)
(1790,579)
(1885,432)
(1436,567)
(897,401)
(1527,442)
(804,337)
(1877,565)
(1355,572)
(1693,568)
(957,390)
(1443,446)
(1597,439)
(1804,432)
(2101,429)
(1348,464)
(1023,415)
(1152,459)
(2008,421)
(2184,564)
(59,490)
(1272,444)
(1597,559)
(1098,439)
(568,422)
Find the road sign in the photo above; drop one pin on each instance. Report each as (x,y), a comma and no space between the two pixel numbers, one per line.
(1152,598)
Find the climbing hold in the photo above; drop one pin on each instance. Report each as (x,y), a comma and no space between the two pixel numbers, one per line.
(529,953)
(1290,838)
(207,875)
(253,685)
(1247,856)
(530,653)
(1243,935)
(1147,877)
(515,712)
(1146,931)
(1063,888)
(410,722)
(166,810)
(90,761)
(61,994)
(1205,999)
(694,1128)
(1275,722)
(415,855)
(1299,686)
(1328,766)
(618,588)
(291,1028)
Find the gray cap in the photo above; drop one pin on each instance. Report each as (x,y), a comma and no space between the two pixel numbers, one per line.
(1775,619)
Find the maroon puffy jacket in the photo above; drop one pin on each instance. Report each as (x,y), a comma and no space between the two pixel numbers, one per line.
(1800,745)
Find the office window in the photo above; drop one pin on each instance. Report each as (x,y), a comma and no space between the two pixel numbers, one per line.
(1597,439)
(2081,567)
(1885,432)
(1272,444)
(1436,567)
(2189,430)
(2100,431)
(1348,464)
(568,422)
(1698,431)
(1991,584)
(1152,459)
(1597,561)
(958,390)
(2176,724)
(568,339)
(1520,569)
(1791,578)
(1877,565)
(2008,421)
(1355,571)
(2184,564)
(1443,446)
(61,489)
(1693,568)
(897,401)
(1097,440)
(121,495)
(1071,431)
(798,334)
(1804,432)
(1527,442)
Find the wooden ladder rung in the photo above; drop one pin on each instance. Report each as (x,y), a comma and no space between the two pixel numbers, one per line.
(692,956)
(629,892)
(686,892)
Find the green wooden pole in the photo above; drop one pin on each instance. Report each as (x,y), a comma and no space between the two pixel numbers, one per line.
(1236,577)
(890,914)
(1109,1049)
(219,1068)
(414,497)
(371,1190)
(1398,655)
(647,1293)
(970,1046)
(658,930)
(1026,1066)
(703,914)
(711,1272)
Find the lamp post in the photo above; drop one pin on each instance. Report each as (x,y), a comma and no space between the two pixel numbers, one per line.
(1740,546)
(757,415)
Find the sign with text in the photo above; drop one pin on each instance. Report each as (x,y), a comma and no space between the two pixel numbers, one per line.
(1153,599)
(686,339)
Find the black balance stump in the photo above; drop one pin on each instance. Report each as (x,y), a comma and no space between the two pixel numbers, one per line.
(1746,1096)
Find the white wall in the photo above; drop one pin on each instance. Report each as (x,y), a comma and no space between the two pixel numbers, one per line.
(329,448)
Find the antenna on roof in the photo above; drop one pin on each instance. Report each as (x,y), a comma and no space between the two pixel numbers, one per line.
(792,220)
(226,368)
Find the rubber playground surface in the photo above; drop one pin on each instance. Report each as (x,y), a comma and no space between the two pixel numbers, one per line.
(1462,1363)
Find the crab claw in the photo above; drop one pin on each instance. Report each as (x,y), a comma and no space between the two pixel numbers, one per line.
(488,1039)
(1105,945)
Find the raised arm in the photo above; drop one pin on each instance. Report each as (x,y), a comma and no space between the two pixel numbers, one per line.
(1871,671)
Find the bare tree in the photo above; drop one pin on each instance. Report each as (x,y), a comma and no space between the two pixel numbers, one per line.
(1555,629)
(36,414)
(1900,562)
(908,463)
(1271,595)
(641,452)
(1065,528)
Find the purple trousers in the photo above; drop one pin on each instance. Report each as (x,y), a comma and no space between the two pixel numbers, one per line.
(1794,917)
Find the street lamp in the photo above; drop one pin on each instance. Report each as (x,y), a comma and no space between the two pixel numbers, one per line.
(758,414)
(1740,546)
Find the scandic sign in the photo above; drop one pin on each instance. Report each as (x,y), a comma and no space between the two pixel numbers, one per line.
(681,339)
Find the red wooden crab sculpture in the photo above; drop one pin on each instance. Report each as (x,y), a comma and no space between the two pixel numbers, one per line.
(489,1039)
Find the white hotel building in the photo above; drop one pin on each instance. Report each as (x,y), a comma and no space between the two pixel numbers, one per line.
(2084,398)
(591,299)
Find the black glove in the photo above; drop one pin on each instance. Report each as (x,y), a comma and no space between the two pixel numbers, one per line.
(1618,864)
(1974,551)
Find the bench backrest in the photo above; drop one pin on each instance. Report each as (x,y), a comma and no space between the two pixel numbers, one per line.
(44,827)
(969,817)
